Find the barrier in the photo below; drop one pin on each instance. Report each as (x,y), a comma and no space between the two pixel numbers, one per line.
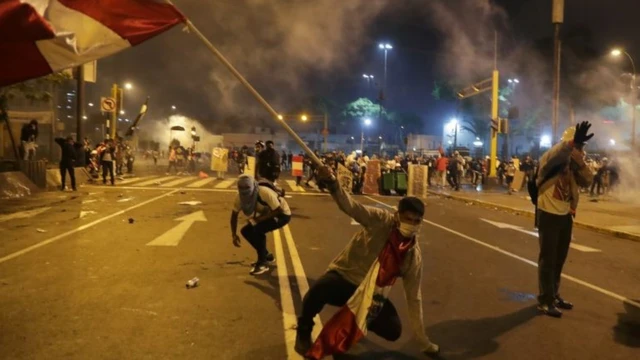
(418,176)
(36,171)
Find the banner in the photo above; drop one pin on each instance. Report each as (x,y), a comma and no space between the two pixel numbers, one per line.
(345,178)
(418,175)
(518,180)
(371,178)
(220,159)
(251,166)
(297,167)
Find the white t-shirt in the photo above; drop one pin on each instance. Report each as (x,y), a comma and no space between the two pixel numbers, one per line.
(268,197)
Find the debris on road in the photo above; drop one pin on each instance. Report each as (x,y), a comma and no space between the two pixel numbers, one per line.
(131,220)
(193,283)
(89,201)
(125,199)
(85,213)
(191,203)
(41,230)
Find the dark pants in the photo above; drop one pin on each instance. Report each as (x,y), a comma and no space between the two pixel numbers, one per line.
(334,290)
(66,166)
(555,237)
(256,234)
(107,166)
(597,185)
(452,178)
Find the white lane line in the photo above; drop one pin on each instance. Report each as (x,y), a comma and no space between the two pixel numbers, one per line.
(502,225)
(132,180)
(23,214)
(301,276)
(155,180)
(178,181)
(86,226)
(201,183)
(289,319)
(196,190)
(532,263)
(225,184)
(294,187)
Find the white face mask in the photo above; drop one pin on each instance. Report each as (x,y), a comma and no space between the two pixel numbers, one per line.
(409,230)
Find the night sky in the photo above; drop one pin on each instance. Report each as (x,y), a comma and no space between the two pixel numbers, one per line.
(291,50)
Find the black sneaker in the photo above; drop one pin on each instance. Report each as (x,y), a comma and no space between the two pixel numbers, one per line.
(259,269)
(550,310)
(270,260)
(303,340)
(562,304)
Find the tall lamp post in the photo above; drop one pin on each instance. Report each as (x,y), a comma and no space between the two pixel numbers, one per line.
(365,122)
(386,47)
(616,53)
(453,127)
(369,79)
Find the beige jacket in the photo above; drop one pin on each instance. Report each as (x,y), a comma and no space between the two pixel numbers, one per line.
(355,260)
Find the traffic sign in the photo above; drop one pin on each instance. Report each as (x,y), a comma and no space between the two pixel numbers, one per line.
(107,104)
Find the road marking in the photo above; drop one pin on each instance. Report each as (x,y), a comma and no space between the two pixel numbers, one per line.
(83,227)
(301,276)
(177,182)
(155,180)
(132,180)
(501,225)
(173,236)
(23,214)
(225,184)
(527,261)
(289,319)
(197,190)
(201,182)
(292,184)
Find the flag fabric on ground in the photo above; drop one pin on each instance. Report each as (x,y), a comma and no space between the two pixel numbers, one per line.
(349,324)
(40,37)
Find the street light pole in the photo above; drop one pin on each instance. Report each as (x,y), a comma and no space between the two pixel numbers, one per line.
(634,88)
(557,18)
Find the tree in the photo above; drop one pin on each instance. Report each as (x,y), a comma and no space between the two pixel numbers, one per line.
(362,108)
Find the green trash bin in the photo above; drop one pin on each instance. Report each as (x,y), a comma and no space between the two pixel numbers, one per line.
(401,183)
(388,182)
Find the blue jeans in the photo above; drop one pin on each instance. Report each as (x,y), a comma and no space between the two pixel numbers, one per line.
(256,234)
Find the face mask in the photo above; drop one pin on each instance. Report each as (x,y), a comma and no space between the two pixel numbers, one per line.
(409,230)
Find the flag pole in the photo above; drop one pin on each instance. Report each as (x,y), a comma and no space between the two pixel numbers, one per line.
(253,91)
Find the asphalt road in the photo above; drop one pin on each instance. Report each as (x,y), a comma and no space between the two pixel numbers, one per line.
(91,286)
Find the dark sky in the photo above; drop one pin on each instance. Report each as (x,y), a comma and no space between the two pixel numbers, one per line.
(293,49)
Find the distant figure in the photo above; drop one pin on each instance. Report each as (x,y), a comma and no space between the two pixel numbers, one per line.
(67,161)
(28,137)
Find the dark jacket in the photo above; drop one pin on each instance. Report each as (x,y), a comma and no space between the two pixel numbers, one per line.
(69,155)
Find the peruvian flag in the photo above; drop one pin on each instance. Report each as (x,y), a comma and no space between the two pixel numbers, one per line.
(297,165)
(40,37)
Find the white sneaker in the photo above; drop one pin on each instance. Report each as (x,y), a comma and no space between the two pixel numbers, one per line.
(259,269)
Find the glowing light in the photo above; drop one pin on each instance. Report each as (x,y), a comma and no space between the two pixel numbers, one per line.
(385,46)
(367,122)
(173,107)
(84,117)
(280,117)
(477,143)
(545,141)
(128,86)
(612,142)
(452,125)
(616,52)
(90,104)
(516,81)
(121,112)
(304,118)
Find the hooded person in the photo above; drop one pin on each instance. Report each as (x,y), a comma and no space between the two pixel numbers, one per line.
(265,211)
(561,174)
(360,277)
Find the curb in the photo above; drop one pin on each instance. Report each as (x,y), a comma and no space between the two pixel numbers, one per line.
(517,211)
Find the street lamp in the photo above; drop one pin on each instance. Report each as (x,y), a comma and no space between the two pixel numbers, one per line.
(128,86)
(616,53)
(173,107)
(121,112)
(369,79)
(90,104)
(304,118)
(386,47)
(365,122)
(452,126)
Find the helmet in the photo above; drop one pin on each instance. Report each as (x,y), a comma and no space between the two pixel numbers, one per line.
(569,133)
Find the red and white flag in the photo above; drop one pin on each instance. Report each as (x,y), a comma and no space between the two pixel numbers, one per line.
(40,37)
(297,166)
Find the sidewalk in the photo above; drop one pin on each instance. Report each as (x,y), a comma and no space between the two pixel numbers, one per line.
(606,216)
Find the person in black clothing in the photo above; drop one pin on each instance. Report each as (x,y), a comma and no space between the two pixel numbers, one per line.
(452,173)
(28,137)
(269,163)
(68,160)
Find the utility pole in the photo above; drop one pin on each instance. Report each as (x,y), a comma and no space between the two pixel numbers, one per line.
(79,101)
(557,18)
(115,113)
(495,129)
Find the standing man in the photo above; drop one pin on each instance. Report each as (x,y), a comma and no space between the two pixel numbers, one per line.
(67,161)
(266,212)
(384,250)
(107,155)
(28,137)
(562,172)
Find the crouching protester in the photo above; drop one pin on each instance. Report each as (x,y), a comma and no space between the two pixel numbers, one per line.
(266,212)
(561,174)
(360,277)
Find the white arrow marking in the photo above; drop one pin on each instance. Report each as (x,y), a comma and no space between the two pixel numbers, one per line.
(533,233)
(174,235)
(23,214)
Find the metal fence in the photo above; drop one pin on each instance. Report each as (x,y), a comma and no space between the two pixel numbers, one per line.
(35,170)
